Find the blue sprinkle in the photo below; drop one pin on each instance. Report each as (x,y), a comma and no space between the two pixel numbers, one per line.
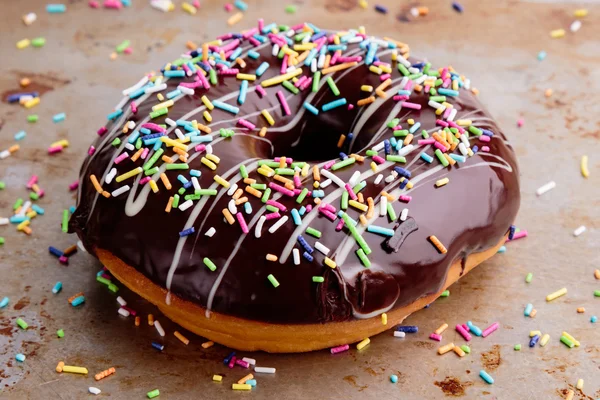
(57,287)
(333,104)
(534,340)
(312,108)
(251,382)
(39,210)
(56,252)
(235,54)
(20,357)
(158,346)
(403,183)
(228,358)
(528,309)
(511,232)
(195,172)
(394,378)
(448,92)
(387,147)
(59,117)
(201,139)
(486,377)
(408,329)
(403,172)
(427,157)
(476,330)
(4,302)
(381,9)
(262,68)
(226,107)
(302,210)
(318,193)
(173,94)
(253,54)
(114,115)
(343,155)
(72,209)
(541,55)
(243,91)
(475,149)
(20,135)
(295,216)
(248,208)
(458,157)
(182,179)
(380,230)
(415,127)
(78,301)
(174,74)
(17,219)
(187,232)
(241,5)
(592,320)
(308,256)
(187,185)
(56,8)
(502,249)
(305,244)
(457,6)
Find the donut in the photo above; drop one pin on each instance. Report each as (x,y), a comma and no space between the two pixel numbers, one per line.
(289,189)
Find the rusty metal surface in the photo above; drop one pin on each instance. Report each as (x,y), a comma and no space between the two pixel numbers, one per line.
(494,43)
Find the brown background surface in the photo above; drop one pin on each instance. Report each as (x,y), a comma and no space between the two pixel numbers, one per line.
(495,43)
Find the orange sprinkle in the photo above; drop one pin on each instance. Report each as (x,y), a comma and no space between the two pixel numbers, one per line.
(167,159)
(367,100)
(191,45)
(27,230)
(438,245)
(237,194)
(360,198)
(70,250)
(450,159)
(205,52)
(371,209)
(228,216)
(271,257)
(408,139)
(581,310)
(389,196)
(169,204)
(208,344)
(96,183)
(59,366)
(24,82)
(137,320)
(13,148)
(137,155)
(597,274)
(241,200)
(357,157)
(249,181)
(105,373)
(165,181)
(150,319)
(548,92)
(327,60)
(363,220)
(263,131)
(532,313)
(423,10)
(317,177)
(317,200)
(253,191)
(341,140)
(246,378)
(282,179)
(106,194)
(182,338)
(338,67)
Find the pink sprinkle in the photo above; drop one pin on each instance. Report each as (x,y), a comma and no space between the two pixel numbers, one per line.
(154,127)
(112,4)
(63,260)
(223,37)
(485,149)
(254,42)
(231,45)
(412,106)
(261,24)
(298,191)
(378,159)
(384,77)
(352,59)
(455,125)
(427,88)
(400,97)
(397,127)
(196,3)
(200,148)
(408,85)
(281,189)
(340,225)
(284,64)
(106,276)
(353,195)
(288,160)
(242,221)
(228,72)
(145,180)
(297,27)
(74,185)
(320,43)
(405,198)
(249,33)
(339,349)
(32,181)
(233,359)
(490,329)
(466,327)
(463,332)
(284,103)
(145,153)
(277,204)
(93,4)
(306,84)
(131,310)
(329,164)
(520,122)
(242,363)
(203,79)
(300,81)
(426,141)
(440,146)
(519,235)
(485,138)
(334,59)
(246,124)
(328,214)
(121,157)
(133,107)
(442,123)
(272,216)
(103,130)
(55,149)
(228,7)
(446,83)
(309,208)
(435,336)
(260,91)
(128,50)
(328,207)
(41,193)
(297,181)
(350,106)
(447,112)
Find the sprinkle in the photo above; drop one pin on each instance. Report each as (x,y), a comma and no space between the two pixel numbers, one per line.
(264,370)
(153,393)
(544,340)
(463,332)
(217,378)
(74,370)
(580,13)
(545,188)
(363,343)
(159,328)
(490,329)
(104,374)
(94,390)
(333,104)
(579,231)
(284,104)
(56,8)
(557,33)
(556,294)
(517,347)
(486,377)
(442,182)
(446,348)
(275,284)
(438,245)
(541,55)
(408,329)
(585,172)
(280,78)
(226,107)
(567,342)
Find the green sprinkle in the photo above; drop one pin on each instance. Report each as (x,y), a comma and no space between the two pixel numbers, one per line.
(313,232)
(138,144)
(415,76)
(22,324)
(151,171)
(1,240)
(267,194)
(272,208)
(315,82)
(124,44)
(212,76)
(153,159)
(258,186)
(401,133)
(116,142)
(445,293)
(113,288)
(18,203)
(342,164)
(273,281)
(357,236)
(65,221)
(466,348)
(345,196)
(403,69)
(243,171)
(438,99)
(426,68)
(103,280)
(424,134)
(359,186)
(181,191)
(363,258)
(441,157)
(393,123)
(301,196)
(177,166)
(332,86)
(32,118)
(318,279)
(34,196)
(529,277)
(391,212)
(159,112)
(395,158)
(454,130)
(568,342)
(475,131)
(175,201)
(192,197)
(299,164)
(206,192)
(60,333)
(439,82)
(211,265)
(281,54)
(226,132)
(38,42)
(432,91)
(153,393)
(517,347)
(269,163)
(371,153)
(2,185)
(290,86)
(291,9)
(596,293)
(284,171)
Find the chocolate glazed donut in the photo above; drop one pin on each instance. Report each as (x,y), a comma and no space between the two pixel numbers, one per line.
(471,214)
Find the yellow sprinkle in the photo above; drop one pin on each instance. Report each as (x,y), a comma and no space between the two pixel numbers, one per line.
(362,344)
(570,395)
(263,131)
(584,167)
(442,182)
(384,319)
(153,186)
(182,338)
(187,7)
(235,18)
(357,205)
(544,340)
(464,122)
(213,158)
(268,117)
(171,142)
(74,370)
(21,44)
(221,181)
(33,102)
(165,104)
(246,77)
(533,333)
(557,33)
(366,88)
(386,69)
(271,257)
(441,329)
(375,69)
(207,102)
(217,378)
(579,384)
(61,143)
(575,341)
(280,78)
(129,174)
(237,386)
(580,12)
(23,225)
(446,348)
(556,294)
(330,263)
(207,116)
(363,4)
(208,163)
(304,170)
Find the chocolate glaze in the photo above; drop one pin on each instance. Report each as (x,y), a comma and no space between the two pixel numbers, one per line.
(470,214)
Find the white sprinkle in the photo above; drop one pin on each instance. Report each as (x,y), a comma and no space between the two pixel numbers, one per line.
(24,208)
(355,39)
(333,177)
(463,149)
(378,179)
(275,50)
(413,70)
(579,231)
(231,207)
(129,146)
(210,232)
(399,334)
(291,33)
(547,187)
(179,134)
(404,61)
(382,206)
(250,361)
(419,80)
(452,115)
(296,254)
(313,64)
(123,312)
(4,154)
(354,178)
(111,175)
(278,224)
(159,328)
(196,183)
(467,84)
(264,370)
(404,214)
(120,191)
(29,18)
(290,69)
(575,26)
(259,226)
(435,104)
(322,248)
(80,245)
(185,205)
(403,82)
(94,390)
(406,150)
(325,183)
(156,88)
(130,125)
(390,178)
(170,122)
(321,61)
(232,189)
(4,221)
(186,90)
(121,301)
(135,87)
(414,12)
(378,147)
(209,149)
